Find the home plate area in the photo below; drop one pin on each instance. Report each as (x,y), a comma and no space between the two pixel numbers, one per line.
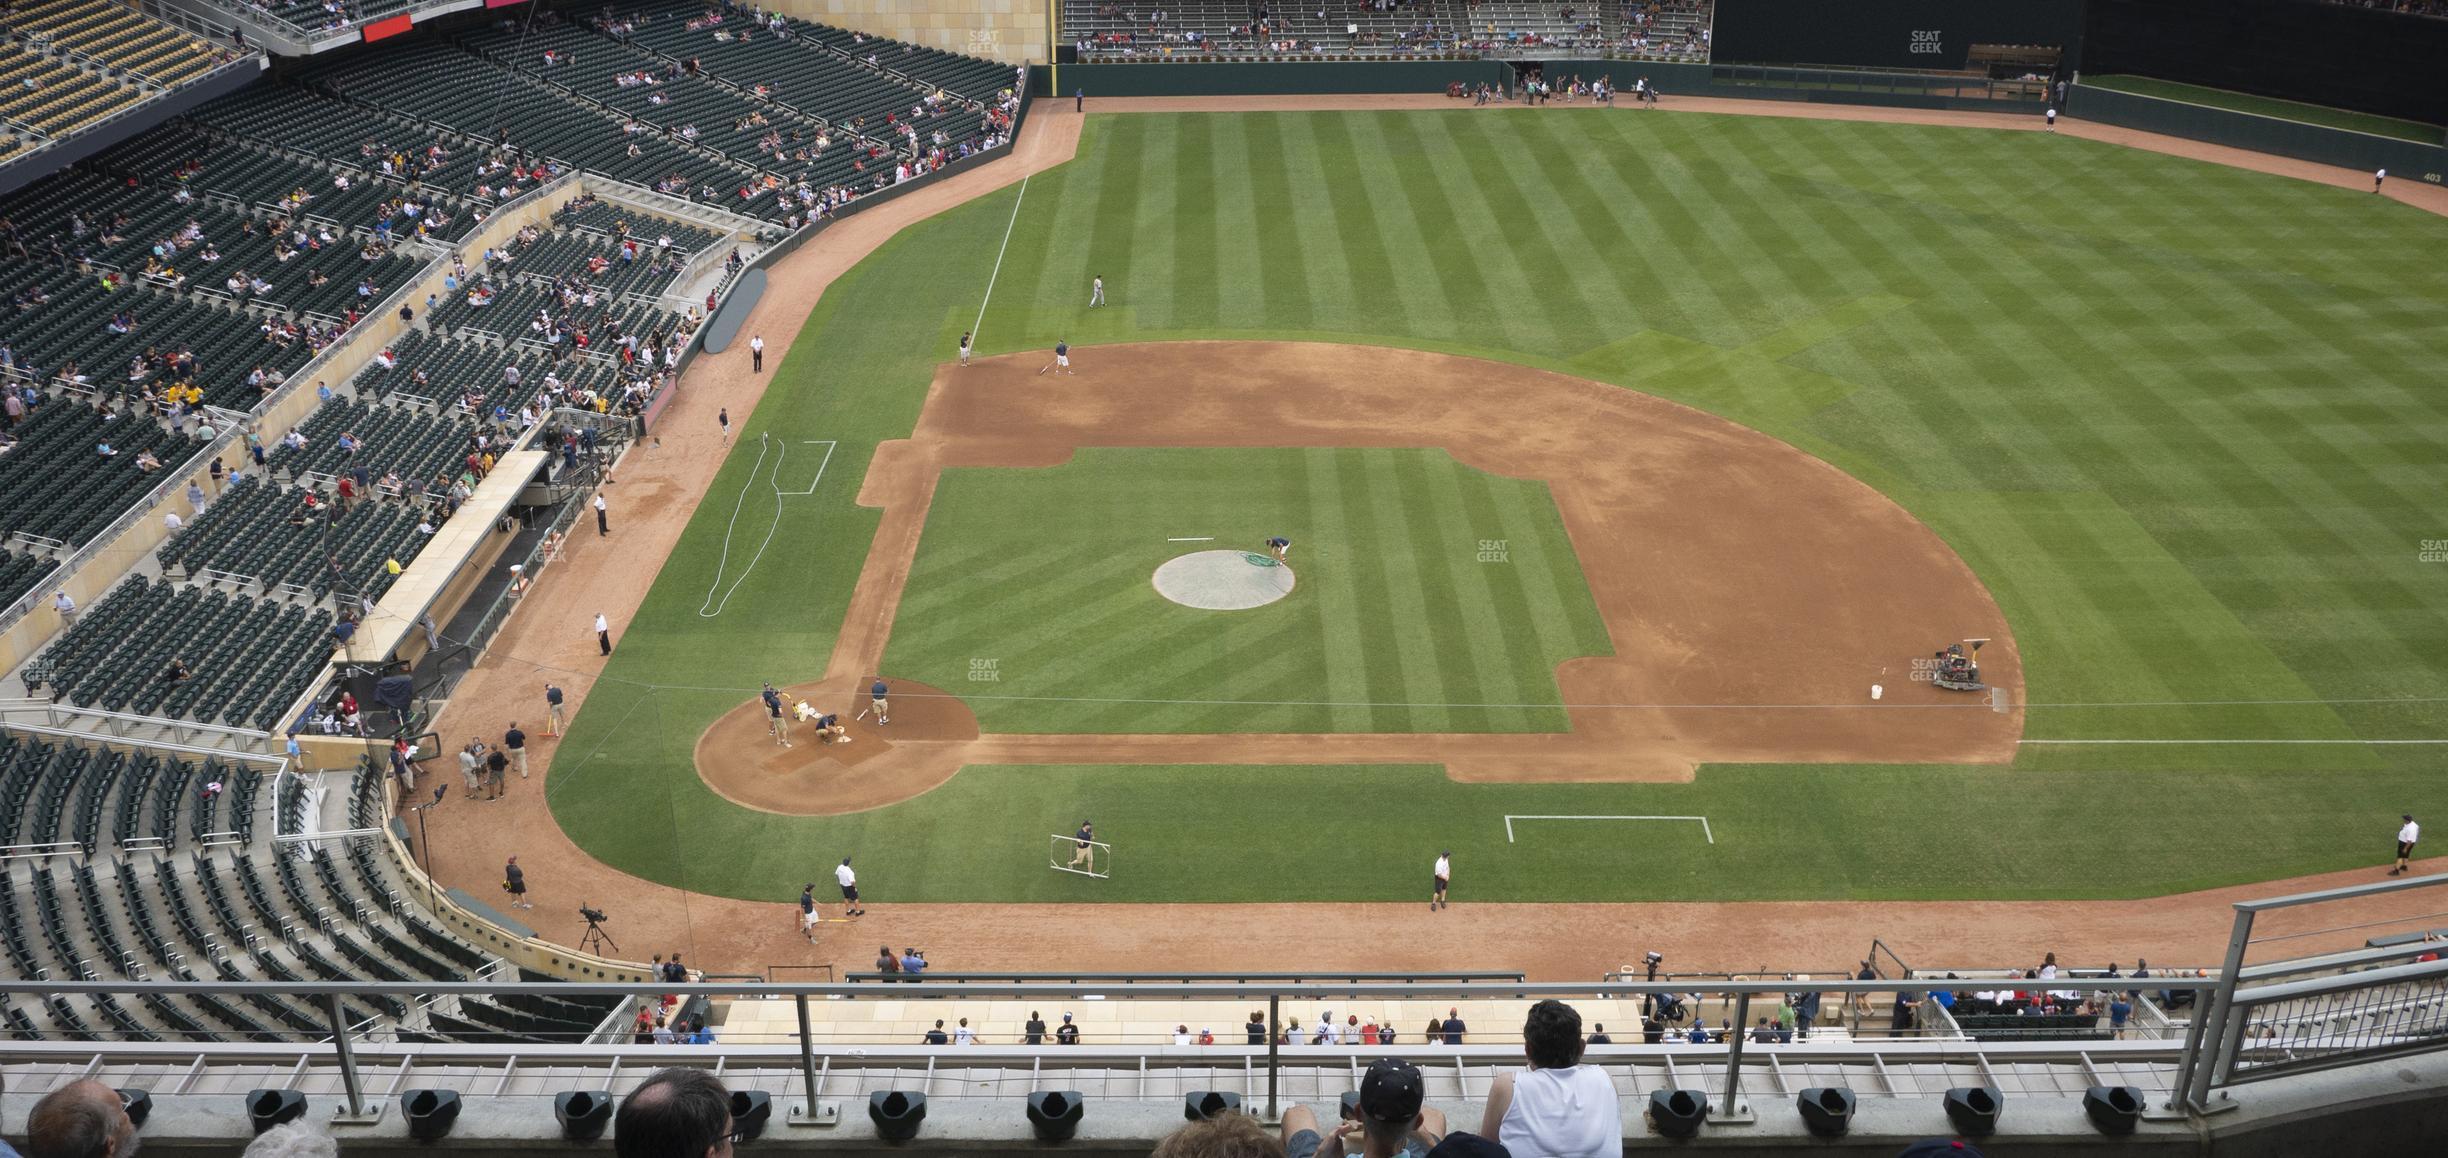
(739,759)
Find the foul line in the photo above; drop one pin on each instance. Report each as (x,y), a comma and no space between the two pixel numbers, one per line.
(723,562)
(1704,824)
(2231,741)
(1194,539)
(980,327)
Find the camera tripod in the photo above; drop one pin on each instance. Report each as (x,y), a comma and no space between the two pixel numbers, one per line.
(596,940)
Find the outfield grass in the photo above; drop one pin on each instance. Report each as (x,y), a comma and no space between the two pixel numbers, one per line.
(1046,574)
(2261,106)
(2184,421)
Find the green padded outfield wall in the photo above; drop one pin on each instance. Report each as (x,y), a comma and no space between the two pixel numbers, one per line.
(1244,78)
(1238,78)
(2409,160)
(1936,34)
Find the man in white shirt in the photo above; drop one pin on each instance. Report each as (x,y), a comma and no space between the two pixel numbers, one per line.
(172,523)
(1181,1035)
(849,888)
(68,612)
(2406,836)
(1557,1107)
(756,353)
(1444,873)
(603,639)
(964,1035)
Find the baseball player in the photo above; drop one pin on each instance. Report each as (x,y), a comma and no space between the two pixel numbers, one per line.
(1444,873)
(1096,291)
(1281,548)
(1084,853)
(776,722)
(965,343)
(849,887)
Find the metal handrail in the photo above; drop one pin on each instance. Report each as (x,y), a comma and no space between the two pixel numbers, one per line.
(1191,990)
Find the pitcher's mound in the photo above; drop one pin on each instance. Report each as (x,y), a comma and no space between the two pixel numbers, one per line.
(1223,580)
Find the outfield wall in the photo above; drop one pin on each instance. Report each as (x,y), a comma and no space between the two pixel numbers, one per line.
(1890,33)
(2325,54)
(1254,77)
(1753,82)
(2409,160)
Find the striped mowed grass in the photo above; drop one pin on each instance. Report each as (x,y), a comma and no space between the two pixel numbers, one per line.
(1431,597)
(2184,421)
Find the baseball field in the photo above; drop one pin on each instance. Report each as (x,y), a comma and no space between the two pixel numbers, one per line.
(1622,455)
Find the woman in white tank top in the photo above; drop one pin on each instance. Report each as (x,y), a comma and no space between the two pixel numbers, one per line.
(1558,1107)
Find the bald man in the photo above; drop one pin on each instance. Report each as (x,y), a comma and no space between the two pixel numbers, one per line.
(676,1113)
(82,1119)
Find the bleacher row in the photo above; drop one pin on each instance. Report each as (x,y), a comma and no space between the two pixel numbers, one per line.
(1664,30)
(65,64)
(213,899)
(247,659)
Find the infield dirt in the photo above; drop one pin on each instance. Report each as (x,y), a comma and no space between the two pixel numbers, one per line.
(1730,569)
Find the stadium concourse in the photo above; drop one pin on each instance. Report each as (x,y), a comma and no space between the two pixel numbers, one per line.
(548,639)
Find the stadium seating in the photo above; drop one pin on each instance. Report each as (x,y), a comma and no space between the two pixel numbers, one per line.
(124,265)
(250,659)
(67,64)
(118,37)
(250,532)
(61,439)
(172,909)
(1623,29)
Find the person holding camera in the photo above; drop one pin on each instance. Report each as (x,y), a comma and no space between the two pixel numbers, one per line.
(514,882)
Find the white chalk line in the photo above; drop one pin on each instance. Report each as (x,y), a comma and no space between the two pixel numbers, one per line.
(724,561)
(980,326)
(1194,539)
(829,446)
(2444,741)
(1704,824)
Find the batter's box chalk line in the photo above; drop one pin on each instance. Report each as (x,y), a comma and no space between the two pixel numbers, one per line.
(767,444)
(1704,824)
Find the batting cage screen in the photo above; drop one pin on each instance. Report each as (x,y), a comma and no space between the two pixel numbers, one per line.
(1066,855)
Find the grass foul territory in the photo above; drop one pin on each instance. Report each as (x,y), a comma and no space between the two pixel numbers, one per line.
(2184,422)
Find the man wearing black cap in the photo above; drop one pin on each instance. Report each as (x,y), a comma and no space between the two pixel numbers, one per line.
(1390,1119)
